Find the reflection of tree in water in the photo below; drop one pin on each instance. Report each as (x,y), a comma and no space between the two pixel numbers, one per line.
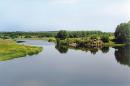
(122,55)
(105,49)
(61,46)
(94,51)
(61,49)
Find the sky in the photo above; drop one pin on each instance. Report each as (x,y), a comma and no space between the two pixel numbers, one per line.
(51,15)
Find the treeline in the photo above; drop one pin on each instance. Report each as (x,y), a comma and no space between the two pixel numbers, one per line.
(78,34)
(70,34)
(27,34)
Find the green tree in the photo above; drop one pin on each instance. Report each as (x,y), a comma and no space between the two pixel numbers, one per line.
(27,36)
(62,34)
(94,36)
(122,33)
(105,38)
(13,36)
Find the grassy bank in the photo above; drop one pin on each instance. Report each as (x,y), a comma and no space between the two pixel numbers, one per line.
(10,50)
(49,39)
(113,44)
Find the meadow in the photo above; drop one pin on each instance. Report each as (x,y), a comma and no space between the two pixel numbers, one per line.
(9,49)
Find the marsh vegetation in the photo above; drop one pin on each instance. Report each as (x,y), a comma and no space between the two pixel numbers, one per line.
(10,49)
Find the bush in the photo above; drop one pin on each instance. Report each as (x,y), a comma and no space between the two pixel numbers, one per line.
(27,36)
(105,38)
(94,37)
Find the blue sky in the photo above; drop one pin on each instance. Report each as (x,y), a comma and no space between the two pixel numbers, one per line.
(50,15)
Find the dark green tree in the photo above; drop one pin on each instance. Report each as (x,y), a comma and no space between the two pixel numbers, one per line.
(27,36)
(122,33)
(62,34)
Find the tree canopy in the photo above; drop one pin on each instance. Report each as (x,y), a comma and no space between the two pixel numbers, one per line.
(105,38)
(62,34)
(122,33)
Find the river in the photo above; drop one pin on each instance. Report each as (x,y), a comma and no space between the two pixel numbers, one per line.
(73,68)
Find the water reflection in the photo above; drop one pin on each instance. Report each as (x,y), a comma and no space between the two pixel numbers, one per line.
(94,50)
(71,69)
(122,55)
(105,49)
(62,47)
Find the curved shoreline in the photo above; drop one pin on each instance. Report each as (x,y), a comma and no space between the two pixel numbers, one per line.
(10,50)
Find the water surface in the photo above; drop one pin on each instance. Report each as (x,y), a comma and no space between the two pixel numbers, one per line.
(73,68)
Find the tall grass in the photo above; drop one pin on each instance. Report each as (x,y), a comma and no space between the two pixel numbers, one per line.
(10,50)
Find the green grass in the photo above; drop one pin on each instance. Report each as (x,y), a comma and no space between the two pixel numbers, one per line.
(10,50)
(49,39)
(113,44)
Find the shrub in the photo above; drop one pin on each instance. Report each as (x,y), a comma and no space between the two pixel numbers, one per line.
(105,38)
(94,37)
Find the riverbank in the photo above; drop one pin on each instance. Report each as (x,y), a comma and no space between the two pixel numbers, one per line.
(49,39)
(72,42)
(85,42)
(113,44)
(10,49)
(93,46)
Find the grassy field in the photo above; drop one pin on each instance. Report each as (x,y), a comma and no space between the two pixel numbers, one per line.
(10,50)
(113,44)
(49,39)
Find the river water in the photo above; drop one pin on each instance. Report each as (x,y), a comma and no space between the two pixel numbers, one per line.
(73,68)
